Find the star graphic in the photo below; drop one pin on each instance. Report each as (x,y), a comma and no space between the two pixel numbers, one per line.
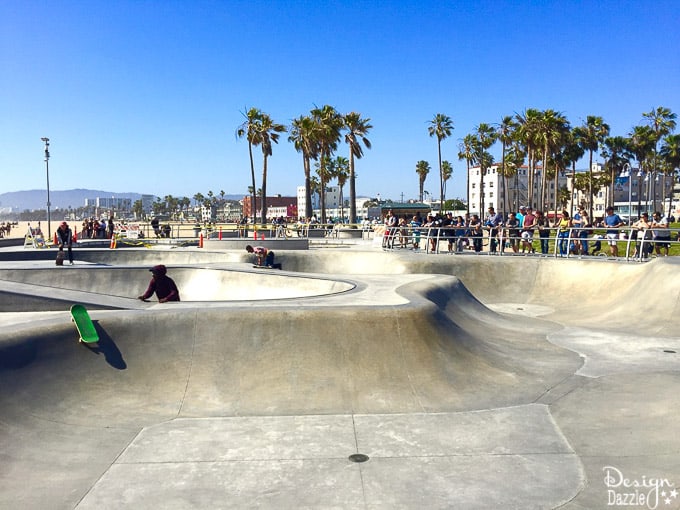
(674,493)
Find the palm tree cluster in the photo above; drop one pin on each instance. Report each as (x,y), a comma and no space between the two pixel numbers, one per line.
(548,145)
(176,206)
(316,136)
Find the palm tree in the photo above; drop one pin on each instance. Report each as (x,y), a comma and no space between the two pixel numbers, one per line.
(551,132)
(662,122)
(422,169)
(591,135)
(486,137)
(514,159)
(670,155)
(357,129)
(467,150)
(302,136)
(641,145)
(526,134)
(339,170)
(572,152)
(269,132)
(327,125)
(505,133)
(249,130)
(447,172)
(616,154)
(440,126)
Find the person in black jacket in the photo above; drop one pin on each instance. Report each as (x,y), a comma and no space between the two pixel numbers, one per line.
(65,239)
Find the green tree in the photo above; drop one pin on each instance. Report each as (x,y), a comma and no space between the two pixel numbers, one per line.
(356,131)
(641,145)
(340,172)
(590,137)
(138,209)
(422,169)
(467,150)
(551,133)
(505,134)
(328,123)
(670,155)
(440,126)
(447,172)
(616,154)
(301,134)
(526,134)
(486,137)
(662,122)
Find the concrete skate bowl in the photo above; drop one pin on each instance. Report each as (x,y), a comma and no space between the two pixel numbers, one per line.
(68,411)
(99,286)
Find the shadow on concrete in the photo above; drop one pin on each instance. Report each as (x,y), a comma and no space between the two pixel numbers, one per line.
(107,347)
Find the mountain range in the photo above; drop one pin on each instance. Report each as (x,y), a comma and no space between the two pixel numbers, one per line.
(18,201)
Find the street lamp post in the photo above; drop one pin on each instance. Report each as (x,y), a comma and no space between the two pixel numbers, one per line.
(629,173)
(47,170)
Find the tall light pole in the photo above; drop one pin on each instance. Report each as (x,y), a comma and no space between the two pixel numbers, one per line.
(47,170)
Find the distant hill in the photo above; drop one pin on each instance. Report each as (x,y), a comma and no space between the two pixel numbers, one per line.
(19,201)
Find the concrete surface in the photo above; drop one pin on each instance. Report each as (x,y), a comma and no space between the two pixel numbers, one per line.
(468,381)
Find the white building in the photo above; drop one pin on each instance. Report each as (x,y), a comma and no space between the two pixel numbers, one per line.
(495,194)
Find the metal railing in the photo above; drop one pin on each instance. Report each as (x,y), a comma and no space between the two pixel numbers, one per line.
(632,243)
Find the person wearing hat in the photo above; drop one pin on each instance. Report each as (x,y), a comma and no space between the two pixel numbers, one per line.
(65,238)
(162,285)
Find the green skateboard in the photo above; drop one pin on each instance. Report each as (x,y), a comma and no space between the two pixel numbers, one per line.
(84,324)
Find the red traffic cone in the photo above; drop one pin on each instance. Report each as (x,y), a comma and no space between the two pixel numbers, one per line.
(55,238)
(200,241)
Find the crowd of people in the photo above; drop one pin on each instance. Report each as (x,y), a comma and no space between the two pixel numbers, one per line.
(518,231)
(93,228)
(5,229)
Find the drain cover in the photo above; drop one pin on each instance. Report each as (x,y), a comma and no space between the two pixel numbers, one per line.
(358,457)
(669,351)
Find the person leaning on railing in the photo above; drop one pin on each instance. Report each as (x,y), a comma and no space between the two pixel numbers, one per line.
(563,225)
(662,236)
(642,235)
(543,226)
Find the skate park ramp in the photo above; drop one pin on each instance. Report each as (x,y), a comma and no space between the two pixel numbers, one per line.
(41,288)
(469,382)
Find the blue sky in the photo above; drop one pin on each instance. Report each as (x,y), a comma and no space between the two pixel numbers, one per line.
(145,96)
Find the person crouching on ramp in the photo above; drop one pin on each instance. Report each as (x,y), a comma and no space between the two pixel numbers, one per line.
(264,257)
(162,285)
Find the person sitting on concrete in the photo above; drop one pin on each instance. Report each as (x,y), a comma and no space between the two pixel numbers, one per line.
(162,285)
(263,257)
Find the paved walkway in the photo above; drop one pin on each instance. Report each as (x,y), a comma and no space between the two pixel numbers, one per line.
(462,382)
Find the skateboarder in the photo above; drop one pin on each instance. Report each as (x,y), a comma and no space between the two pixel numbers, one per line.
(65,238)
(162,285)
(263,256)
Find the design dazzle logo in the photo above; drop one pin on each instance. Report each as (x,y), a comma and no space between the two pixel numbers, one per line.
(641,492)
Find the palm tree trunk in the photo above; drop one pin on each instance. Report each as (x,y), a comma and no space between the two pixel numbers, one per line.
(590,184)
(252,175)
(308,184)
(352,190)
(441,176)
(264,191)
